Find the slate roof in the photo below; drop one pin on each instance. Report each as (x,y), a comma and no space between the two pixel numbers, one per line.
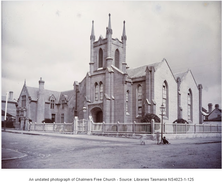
(33,93)
(140,71)
(69,94)
(137,72)
(218,118)
(4,99)
(181,75)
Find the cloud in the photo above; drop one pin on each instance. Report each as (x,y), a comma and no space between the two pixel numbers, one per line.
(58,13)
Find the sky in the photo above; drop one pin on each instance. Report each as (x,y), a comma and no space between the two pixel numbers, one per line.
(52,40)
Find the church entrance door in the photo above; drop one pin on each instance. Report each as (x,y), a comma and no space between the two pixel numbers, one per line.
(97,115)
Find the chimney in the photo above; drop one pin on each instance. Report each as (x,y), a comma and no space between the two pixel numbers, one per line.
(217,106)
(10,97)
(210,105)
(41,84)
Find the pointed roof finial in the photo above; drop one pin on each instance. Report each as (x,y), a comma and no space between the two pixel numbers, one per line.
(25,82)
(92,36)
(124,32)
(109,25)
(109,29)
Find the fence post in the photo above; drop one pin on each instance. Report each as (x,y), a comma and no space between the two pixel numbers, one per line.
(117,128)
(89,127)
(175,127)
(73,124)
(63,128)
(194,128)
(118,124)
(29,126)
(76,125)
(43,126)
(134,127)
(53,126)
(103,127)
(34,126)
(152,126)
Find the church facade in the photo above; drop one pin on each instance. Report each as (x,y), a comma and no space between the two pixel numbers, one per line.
(112,92)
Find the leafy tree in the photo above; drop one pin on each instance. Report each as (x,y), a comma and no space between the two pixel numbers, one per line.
(47,121)
(149,116)
(183,121)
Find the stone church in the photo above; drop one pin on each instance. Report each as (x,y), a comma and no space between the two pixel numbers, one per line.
(112,92)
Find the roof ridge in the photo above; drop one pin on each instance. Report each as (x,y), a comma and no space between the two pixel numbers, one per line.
(146,65)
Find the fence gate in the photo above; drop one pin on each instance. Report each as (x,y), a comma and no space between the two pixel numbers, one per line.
(82,126)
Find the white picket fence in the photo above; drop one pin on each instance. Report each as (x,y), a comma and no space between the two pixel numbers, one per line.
(89,127)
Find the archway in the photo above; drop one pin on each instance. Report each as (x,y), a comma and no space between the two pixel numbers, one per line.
(97,115)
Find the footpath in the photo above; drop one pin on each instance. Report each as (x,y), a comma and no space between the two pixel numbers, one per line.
(8,154)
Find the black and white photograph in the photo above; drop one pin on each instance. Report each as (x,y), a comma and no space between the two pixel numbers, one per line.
(111,91)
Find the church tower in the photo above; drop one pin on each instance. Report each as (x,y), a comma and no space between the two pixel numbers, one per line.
(107,51)
(107,61)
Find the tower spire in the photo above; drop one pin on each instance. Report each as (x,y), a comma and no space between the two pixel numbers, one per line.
(109,26)
(92,36)
(109,29)
(124,32)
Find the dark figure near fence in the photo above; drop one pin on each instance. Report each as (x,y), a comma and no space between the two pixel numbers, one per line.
(165,141)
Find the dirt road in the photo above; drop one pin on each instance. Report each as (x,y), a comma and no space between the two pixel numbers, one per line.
(50,152)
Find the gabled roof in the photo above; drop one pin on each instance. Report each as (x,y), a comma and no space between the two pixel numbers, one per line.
(214,111)
(218,118)
(182,75)
(33,93)
(9,100)
(140,71)
(48,93)
(68,94)
(137,72)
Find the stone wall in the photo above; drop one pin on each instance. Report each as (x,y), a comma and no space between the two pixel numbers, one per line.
(119,95)
(188,83)
(163,73)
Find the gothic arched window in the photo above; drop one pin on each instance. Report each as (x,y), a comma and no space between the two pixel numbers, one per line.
(23,101)
(189,105)
(101,90)
(100,58)
(165,99)
(127,100)
(139,100)
(52,103)
(96,91)
(117,58)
